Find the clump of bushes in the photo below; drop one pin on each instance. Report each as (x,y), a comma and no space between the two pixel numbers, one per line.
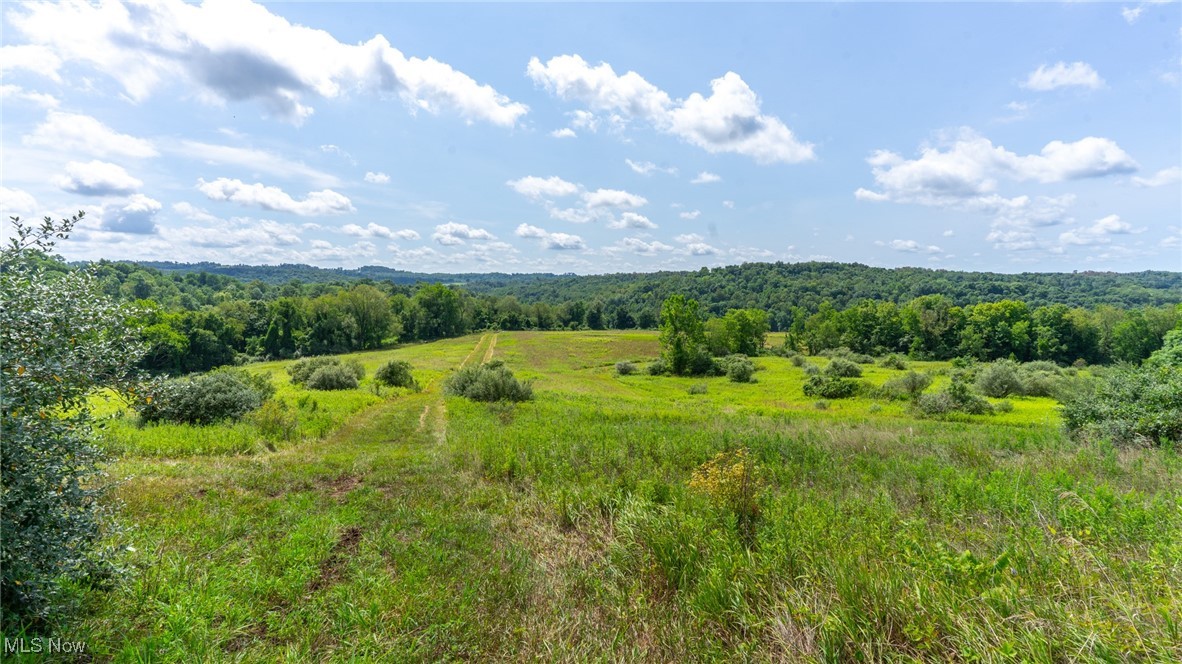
(1004,378)
(958,397)
(830,386)
(625,368)
(207,398)
(492,381)
(738,368)
(658,368)
(893,361)
(847,354)
(797,360)
(1000,379)
(396,373)
(303,371)
(1129,405)
(908,386)
(842,368)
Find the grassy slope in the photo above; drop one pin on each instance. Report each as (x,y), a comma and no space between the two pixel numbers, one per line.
(427,528)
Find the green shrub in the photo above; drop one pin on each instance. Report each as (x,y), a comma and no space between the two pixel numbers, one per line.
(830,387)
(811,369)
(1000,379)
(738,368)
(625,368)
(842,368)
(938,403)
(488,382)
(275,420)
(658,368)
(697,388)
(1042,366)
(301,371)
(1039,384)
(958,397)
(798,360)
(333,377)
(1128,405)
(908,386)
(396,373)
(1003,407)
(218,395)
(893,361)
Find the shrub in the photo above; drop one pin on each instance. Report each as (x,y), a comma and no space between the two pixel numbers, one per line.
(739,368)
(275,420)
(697,388)
(658,368)
(732,481)
(893,361)
(843,368)
(625,368)
(958,397)
(861,358)
(830,387)
(874,408)
(1003,407)
(1042,366)
(938,403)
(219,395)
(488,382)
(821,405)
(1129,405)
(908,386)
(332,377)
(811,369)
(1000,379)
(301,371)
(1039,384)
(798,360)
(396,373)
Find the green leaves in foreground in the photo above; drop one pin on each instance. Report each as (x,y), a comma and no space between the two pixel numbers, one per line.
(1129,405)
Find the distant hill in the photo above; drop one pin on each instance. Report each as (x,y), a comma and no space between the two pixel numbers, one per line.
(771,286)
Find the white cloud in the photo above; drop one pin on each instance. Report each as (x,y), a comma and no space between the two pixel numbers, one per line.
(16,203)
(236,51)
(565,132)
(949,233)
(706,177)
(137,216)
(30,57)
(452,233)
(554,241)
(1099,232)
(729,120)
(692,214)
(700,249)
(1131,14)
(632,220)
(377,230)
(616,198)
(639,246)
(1161,178)
(16,92)
(72,132)
(532,186)
(256,160)
(332,149)
(97,178)
(316,203)
(258,235)
(1062,75)
(376,178)
(648,168)
(728,204)
(910,246)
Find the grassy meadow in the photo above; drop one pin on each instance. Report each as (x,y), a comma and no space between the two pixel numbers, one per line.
(391,525)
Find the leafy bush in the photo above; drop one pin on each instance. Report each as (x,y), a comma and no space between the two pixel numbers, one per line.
(333,377)
(697,388)
(811,369)
(893,361)
(842,368)
(396,373)
(732,481)
(1170,353)
(1003,407)
(1040,384)
(908,386)
(1042,366)
(625,368)
(218,395)
(301,371)
(658,368)
(739,368)
(830,387)
(1000,379)
(1129,405)
(938,403)
(798,360)
(275,420)
(958,397)
(488,382)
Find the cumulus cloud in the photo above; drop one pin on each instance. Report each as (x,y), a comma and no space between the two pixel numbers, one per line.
(16,203)
(376,178)
(706,177)
(730,205)
(259,235)
(1131,14)
(638,246)
(1161,178)
(612,198)
(316,203)
(648,167)
(30,57)
(632,220)
(377,230)
(137,216)
(74,132)
(452,233)
(1063,75)
(910,246)
(601,204)
(565,132)
(237,51)
(532,186)
(1098,232)
(691,214)
(16,92)
(729,120)
(553,241)
(97,178)
(695,245)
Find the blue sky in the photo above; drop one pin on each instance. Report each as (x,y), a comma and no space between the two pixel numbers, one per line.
(600,138)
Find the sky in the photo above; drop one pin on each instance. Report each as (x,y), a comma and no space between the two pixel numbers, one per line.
(599,138)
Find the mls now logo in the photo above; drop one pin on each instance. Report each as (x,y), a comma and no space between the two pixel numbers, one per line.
(38,645)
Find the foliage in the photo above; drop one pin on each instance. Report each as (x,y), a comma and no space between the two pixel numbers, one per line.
(333,377)
(910,385)
(625,368)
(301,371)
(206,398)
(893,361)
(396,373)
(738,368)
(830,386)
(492,381)
(1000,379)
(957,397)
(1170,354)
(739,331)
(658,368)
(682,336)
(276,420)
(1141,405)
(697,388)
(61,342)
(732,481)
(843,368)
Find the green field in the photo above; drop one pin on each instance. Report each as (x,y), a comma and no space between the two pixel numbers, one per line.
(409,526)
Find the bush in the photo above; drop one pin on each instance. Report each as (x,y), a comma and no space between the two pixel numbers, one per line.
(1042,366)
(739,368)
(488,382)
(830,387)
(625,368)
(1003,407)
(658,368)
(843,368)
(910,385)
(957,398)
(275,420)
(697,388)
(798,360)
(811,369)
(1039,384)
(1129,405)
(301,371)
(938,403)
(218,395)
(1000,379)
(333,377)
(893,362)
(396,373)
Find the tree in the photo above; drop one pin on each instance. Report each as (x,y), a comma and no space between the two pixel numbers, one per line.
(61,340)
(682,333)
(370,309)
